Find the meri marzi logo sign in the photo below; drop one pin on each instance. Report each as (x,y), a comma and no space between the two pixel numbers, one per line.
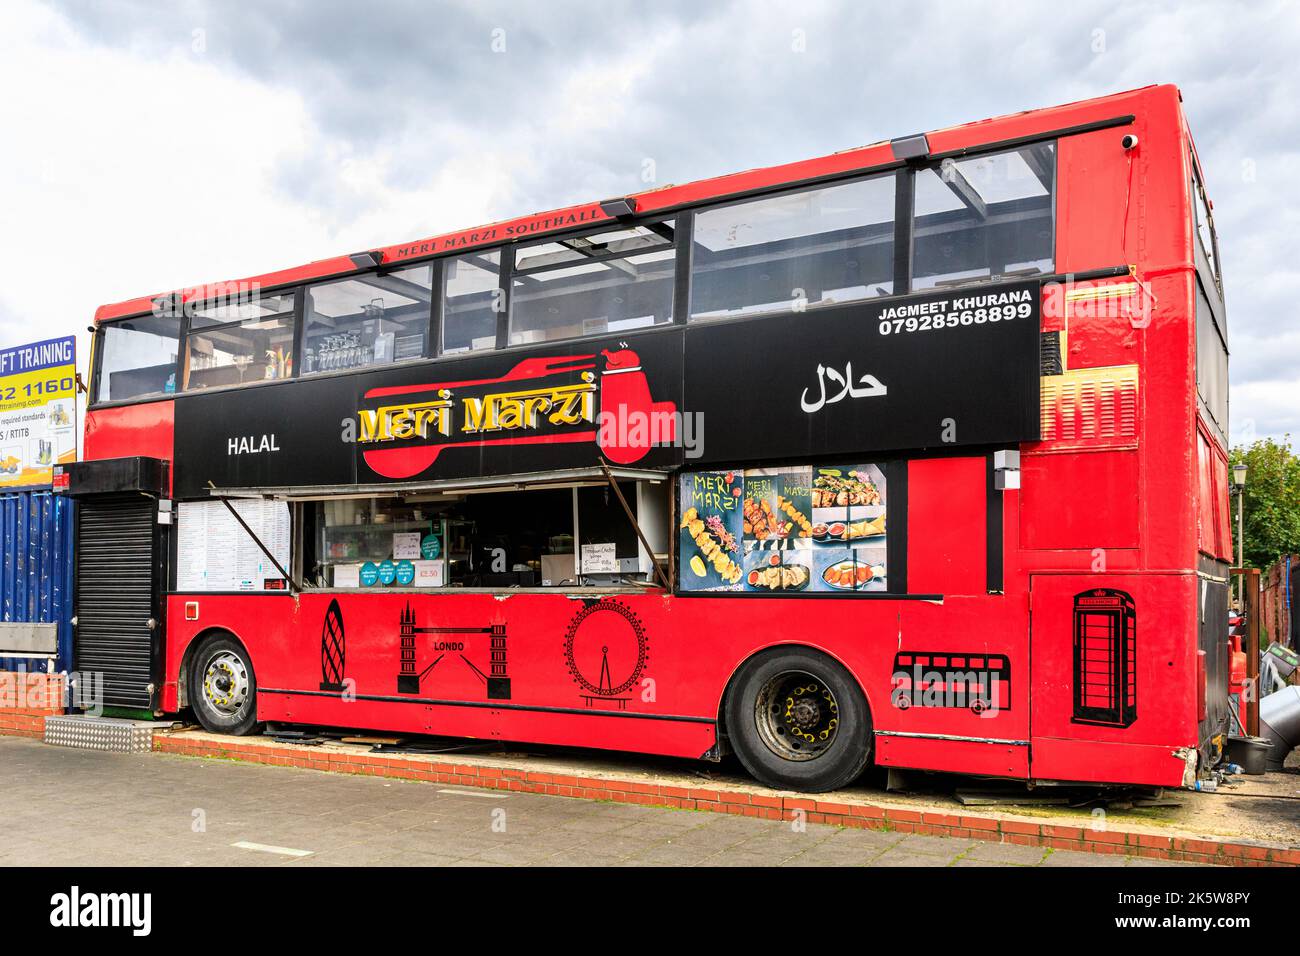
(603,399)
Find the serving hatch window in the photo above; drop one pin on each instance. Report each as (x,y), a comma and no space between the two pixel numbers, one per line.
(138,358)
(490,540)
(985,216)
(815,247)
(366,321)
(375,542)
(240,341)
(611,281)
(574,535)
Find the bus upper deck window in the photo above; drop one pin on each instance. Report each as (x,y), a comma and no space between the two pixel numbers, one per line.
(986,216)
(138,358)
(369,320)
(471,299)
(612,281)
(814,247)
(241,341)
(1204,222)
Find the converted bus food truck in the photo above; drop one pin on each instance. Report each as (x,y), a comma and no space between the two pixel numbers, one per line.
(912,454)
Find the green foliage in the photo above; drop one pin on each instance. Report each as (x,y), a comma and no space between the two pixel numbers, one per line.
(1272,506)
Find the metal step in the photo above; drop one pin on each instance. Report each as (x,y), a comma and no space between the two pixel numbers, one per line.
(101,733)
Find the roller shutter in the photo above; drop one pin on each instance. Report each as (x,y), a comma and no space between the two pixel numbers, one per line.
(117,596)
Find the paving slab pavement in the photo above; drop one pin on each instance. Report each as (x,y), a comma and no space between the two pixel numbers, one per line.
(73,807)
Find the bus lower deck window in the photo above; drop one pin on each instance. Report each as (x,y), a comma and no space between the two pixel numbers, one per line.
(520,538)
(489,540)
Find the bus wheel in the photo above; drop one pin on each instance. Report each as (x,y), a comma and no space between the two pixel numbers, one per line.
(798,721)
(223,688)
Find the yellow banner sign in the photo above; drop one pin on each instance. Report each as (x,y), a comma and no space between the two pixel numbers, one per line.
(38,411)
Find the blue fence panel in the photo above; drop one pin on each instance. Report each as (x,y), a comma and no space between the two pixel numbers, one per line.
(36,533)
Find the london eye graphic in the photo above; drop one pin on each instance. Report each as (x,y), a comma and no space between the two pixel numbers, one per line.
(606,650)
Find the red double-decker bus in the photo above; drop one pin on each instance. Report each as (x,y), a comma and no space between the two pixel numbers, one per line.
(912,454)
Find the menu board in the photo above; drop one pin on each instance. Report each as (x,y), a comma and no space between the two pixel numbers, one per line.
(406,545)
(811,528)
(214,553)
(599,558)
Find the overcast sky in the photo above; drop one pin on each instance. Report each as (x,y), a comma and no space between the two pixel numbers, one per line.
(148,146)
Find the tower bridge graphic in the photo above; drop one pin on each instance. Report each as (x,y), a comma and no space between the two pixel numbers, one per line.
(409,679)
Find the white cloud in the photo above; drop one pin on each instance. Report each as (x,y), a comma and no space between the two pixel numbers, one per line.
(125,174)
(1265,409)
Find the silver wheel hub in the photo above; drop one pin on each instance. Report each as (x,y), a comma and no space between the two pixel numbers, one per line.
(226,683)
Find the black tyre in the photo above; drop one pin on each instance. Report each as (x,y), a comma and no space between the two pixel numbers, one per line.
(223,687)
(798,721)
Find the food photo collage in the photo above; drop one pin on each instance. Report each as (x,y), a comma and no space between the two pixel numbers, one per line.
(783,530)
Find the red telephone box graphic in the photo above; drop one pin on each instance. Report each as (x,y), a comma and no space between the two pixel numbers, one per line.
(1105,658)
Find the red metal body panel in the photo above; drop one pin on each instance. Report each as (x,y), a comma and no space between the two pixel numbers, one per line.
(947,531)
(1088,761)
(547,704)
(1114,509)
(130,430)
(1165,685)
(1214,522)
(1105,478)
(995,759)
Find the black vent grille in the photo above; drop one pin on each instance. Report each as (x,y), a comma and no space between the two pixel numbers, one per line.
(1049,354)
(117,563)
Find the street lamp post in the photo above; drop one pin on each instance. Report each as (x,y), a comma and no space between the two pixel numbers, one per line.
(1239,486)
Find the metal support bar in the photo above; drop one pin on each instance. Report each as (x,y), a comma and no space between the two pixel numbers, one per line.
(613,483)
(961,187)
(294,586)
